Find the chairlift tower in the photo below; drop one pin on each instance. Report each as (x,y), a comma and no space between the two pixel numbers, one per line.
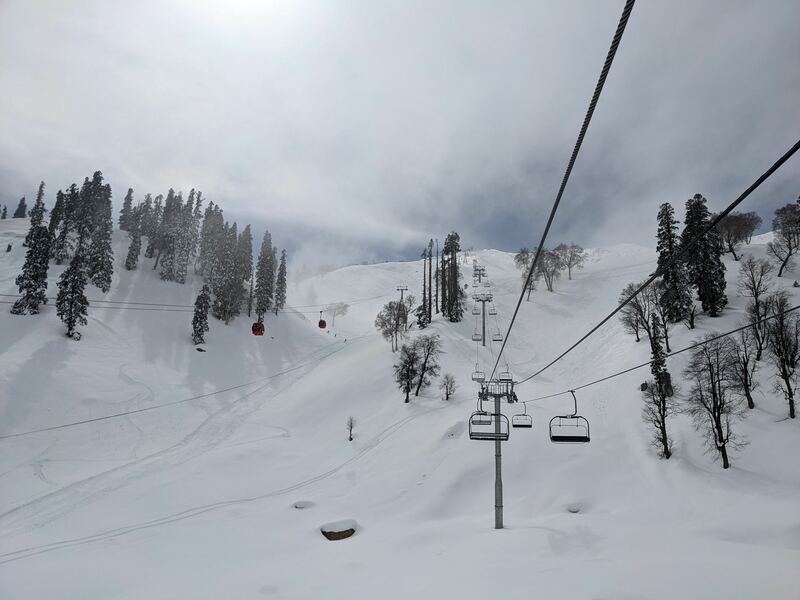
(479,272)
(496,390)
(402,289)
(483,299)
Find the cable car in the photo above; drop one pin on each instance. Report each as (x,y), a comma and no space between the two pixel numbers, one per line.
(523,419)
(488,427)
(322,323)
(569,429)
(258,328)
(497,337)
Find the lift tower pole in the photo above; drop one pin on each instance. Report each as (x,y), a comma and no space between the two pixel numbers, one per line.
(401,289)
(483,299)
(498,470)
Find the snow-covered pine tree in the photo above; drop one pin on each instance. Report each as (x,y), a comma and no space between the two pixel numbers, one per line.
(225,280)
(194,228)
(183,239)
(62,245)
(4,213)
(134,222)
(244,264)
(56,215)
(125,213)
(32,281)
(37,214)
(100,255)
(22,209)
(676,295)
(168,235)
(154,227)
(422,310)
(265,277)
(280,284)
(452,293)
(704,262)
(200,318)
(71,302)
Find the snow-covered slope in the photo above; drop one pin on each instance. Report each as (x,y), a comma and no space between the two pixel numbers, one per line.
(196,499)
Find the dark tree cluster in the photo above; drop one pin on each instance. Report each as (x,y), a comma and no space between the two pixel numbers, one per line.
(550,265)
(178,234)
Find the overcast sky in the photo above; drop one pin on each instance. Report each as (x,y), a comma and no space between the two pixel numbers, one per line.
(358,129)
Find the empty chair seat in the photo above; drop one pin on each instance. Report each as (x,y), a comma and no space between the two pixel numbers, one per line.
(488,427)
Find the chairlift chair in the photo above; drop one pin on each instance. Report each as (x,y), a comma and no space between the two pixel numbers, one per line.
(478,376)
(487,284)
(489,427)
(505,376)
(497,337)
(569,429)
(523,419)
(492,310)
(477,337)
(258,328)
(476,310)
(322,323)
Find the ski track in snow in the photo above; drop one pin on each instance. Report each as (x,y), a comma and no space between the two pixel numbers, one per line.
(32,551)
(212,431)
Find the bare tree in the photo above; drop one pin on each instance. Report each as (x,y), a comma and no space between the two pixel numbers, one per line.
(755,282)
(548,268)
(351,423)
(405,369)
(786,240)
(448,385)
(637,314)
(389,322)
(784,346)
(737,228)
(657,408)
(745,364)
(522,260)
(690,316)
(340,309)
(658,393)
(428,348)
(713,401)
(572,256)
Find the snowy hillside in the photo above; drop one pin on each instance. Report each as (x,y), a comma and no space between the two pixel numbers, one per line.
(195,496)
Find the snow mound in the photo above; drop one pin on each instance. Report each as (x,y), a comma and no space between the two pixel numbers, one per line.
(339,530)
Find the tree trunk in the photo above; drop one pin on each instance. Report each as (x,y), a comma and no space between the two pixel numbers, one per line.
(790,398)
(723,450)
(155,264)
(665,442)
(749,396)
(666,337)
(422,372)
(408,391)
(783,265)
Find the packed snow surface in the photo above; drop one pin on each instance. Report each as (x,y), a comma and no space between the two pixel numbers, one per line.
(197,495)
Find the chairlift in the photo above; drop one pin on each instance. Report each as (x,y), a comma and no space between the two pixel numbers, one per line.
(487,284)
(322,323)
(523,419)
(488,427)
(505,376)
(497,337)
(478,376)
(477,337)
(258,328)
(492,310)
(569,429)
(476,310)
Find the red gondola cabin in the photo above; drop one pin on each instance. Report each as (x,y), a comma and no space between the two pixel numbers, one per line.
(258,328)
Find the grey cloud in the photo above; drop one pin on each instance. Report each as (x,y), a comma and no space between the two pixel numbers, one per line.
(368,127)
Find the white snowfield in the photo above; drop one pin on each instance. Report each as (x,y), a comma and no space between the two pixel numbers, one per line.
(223,496)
